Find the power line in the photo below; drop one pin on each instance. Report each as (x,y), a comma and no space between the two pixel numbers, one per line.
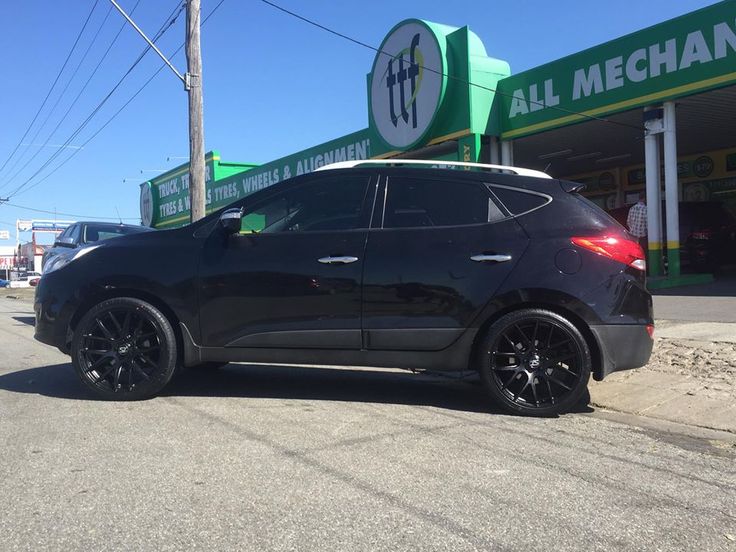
(84,87)
(53,107)
(437,72)
(53,85)
(70,214)
(114,115)
(166,25)
(81,91)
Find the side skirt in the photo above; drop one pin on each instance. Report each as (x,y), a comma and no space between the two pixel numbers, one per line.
(452,359)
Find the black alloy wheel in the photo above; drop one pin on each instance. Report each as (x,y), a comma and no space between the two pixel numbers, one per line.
(124,349)
(535,362)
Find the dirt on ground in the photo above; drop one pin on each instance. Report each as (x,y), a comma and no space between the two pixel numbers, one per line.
(18,293)
(713,364)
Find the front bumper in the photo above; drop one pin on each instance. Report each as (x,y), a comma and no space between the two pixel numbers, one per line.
(53,314)
(622,347)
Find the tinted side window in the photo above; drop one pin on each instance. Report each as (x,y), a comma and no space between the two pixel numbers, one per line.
(328,205)
(413,202)
(518,202)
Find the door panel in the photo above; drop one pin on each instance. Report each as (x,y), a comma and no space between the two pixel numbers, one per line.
(421,287)
(264,290)
(271,286)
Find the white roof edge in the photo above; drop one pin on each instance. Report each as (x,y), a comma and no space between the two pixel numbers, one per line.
(351,164)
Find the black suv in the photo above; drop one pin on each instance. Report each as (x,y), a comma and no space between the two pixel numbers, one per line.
(516,277)
(82,233)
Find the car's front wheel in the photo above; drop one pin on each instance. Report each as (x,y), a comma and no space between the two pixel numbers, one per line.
(535,362)
(124,349)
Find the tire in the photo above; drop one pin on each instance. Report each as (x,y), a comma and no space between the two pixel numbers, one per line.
(124,349)
(535,362)
(207,366)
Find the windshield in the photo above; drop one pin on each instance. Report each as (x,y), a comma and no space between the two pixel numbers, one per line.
(93,233)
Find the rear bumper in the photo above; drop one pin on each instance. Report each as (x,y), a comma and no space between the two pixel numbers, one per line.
(622,347)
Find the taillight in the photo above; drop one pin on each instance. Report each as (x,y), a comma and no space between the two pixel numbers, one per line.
(617,248)
(650,330)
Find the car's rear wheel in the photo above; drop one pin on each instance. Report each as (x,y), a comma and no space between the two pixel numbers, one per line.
(124,349)
(535,362)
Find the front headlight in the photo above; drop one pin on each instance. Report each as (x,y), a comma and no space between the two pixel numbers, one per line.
(60,261)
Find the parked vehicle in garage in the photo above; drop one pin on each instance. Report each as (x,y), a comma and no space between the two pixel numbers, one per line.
(707,233)
(515,276)
(83,233)
(711,234)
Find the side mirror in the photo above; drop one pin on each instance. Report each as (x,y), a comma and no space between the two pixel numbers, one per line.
(65,242)
(230,220)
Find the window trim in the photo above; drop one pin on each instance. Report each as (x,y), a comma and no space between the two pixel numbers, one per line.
(379,195)
(548,197)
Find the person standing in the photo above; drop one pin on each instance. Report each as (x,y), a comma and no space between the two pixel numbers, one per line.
(637,221)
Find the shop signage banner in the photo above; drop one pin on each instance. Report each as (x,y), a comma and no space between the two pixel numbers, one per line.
(49,226)
(168,195)
(683,56)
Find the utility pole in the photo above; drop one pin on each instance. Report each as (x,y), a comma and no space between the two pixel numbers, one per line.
(193,84)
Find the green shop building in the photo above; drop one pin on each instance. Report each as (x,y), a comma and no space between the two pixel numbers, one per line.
(652,111)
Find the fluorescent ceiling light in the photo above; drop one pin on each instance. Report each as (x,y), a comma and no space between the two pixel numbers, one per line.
(590,155)
(560,153)
(613,158)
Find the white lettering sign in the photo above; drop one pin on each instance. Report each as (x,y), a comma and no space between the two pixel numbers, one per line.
(638,66)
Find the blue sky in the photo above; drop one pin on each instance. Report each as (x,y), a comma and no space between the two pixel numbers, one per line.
(273,85)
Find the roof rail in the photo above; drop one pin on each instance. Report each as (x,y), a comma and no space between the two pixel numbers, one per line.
(358,162)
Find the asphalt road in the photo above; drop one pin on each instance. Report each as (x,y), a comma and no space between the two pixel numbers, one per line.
(267,458)
(714,302)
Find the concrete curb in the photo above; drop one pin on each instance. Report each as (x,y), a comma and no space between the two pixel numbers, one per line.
(714,332)
(659,391)
(665,396)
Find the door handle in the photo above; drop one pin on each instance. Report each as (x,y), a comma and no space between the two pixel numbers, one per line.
(490,258)
(342,259)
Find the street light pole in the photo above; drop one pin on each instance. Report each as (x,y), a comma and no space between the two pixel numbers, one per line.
(196,116)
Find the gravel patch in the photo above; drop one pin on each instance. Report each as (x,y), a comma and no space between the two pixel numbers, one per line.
(711,364)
